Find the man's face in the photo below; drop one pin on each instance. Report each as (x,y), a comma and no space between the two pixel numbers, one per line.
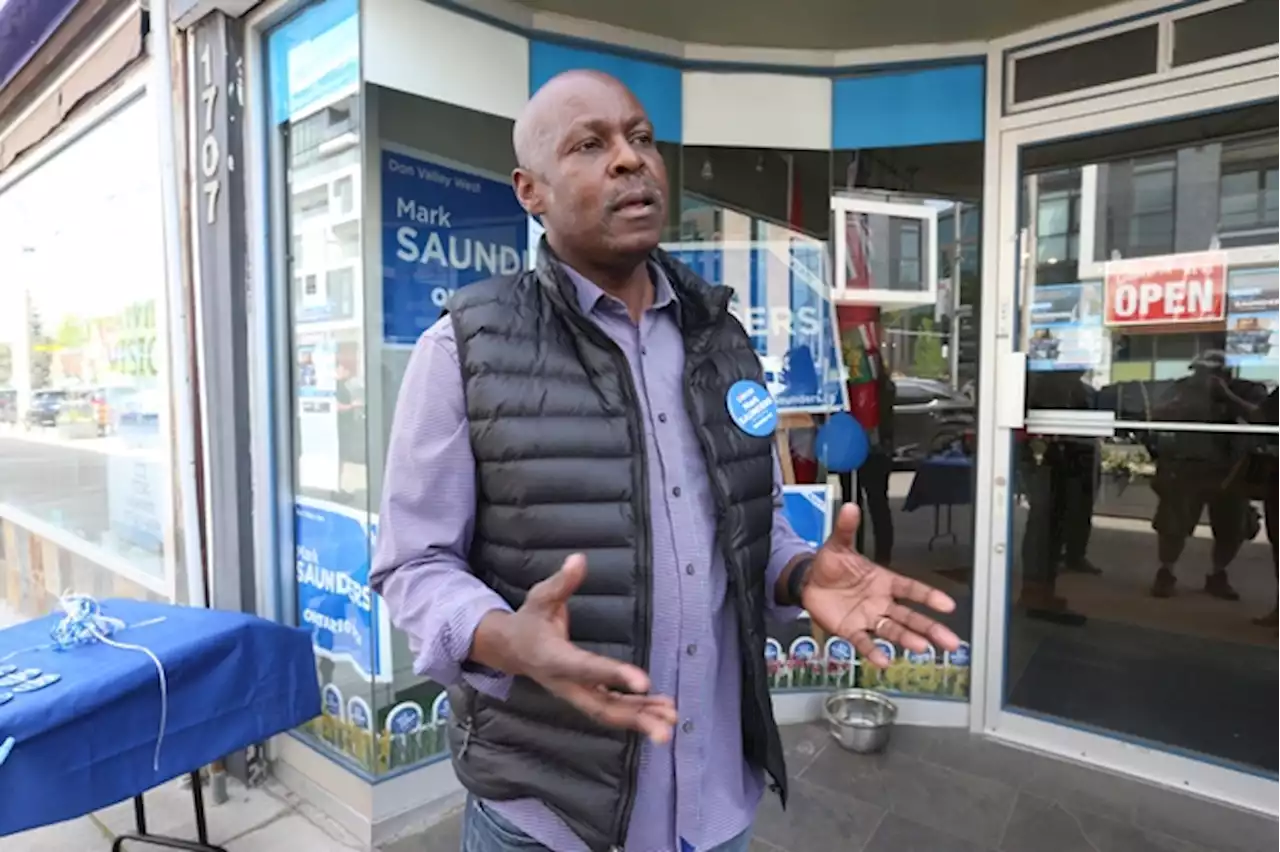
(599,185)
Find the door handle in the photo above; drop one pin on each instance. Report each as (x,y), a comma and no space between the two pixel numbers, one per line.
(1011,389)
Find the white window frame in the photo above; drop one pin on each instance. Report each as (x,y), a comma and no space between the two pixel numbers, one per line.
(1164,20)
(841,294)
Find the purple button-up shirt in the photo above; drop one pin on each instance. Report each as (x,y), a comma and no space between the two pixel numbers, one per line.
(697,788)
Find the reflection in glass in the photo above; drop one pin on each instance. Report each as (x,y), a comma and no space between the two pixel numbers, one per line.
(323,154)
(910,369)
(84,396)
(887,253)
(1146,561)
(332,523)
(433,156)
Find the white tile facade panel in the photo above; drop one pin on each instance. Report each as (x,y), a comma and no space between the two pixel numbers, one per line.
(757,110)
(424,50)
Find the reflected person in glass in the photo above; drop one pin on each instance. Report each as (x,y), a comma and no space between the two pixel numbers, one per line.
(1196,471)
(1057,475)
(579,540)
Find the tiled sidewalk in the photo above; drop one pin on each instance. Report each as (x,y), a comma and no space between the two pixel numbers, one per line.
(266,819)
(932,791)
(947,791)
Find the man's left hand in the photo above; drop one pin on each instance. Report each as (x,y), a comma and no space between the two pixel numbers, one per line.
(848,595)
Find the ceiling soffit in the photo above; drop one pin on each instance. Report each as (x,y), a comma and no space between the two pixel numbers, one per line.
(819,24)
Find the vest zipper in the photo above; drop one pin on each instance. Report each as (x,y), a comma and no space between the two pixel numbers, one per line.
(645,591)
(736,584)
(632,757)
(466,737)
(468,721)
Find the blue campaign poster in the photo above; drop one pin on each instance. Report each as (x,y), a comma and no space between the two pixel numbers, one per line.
(1066,330)
(1253,314)
(808,510)
(781,295)
(348,622)
(442,229)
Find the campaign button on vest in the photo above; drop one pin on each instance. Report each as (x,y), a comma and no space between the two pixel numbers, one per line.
(752,408)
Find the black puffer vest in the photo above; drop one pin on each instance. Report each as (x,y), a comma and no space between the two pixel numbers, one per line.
(559,446)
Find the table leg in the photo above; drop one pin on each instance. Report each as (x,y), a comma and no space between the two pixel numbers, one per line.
(938,532)
(141,837)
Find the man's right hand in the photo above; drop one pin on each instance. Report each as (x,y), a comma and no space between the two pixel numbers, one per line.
(533,642)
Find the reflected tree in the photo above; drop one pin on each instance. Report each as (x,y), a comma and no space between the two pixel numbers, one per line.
(929,361)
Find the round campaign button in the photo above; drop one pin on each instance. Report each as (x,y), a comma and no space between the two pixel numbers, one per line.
(19,677)
(38,683)
(752,408)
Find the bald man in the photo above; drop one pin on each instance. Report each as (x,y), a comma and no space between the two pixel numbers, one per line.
(581,527)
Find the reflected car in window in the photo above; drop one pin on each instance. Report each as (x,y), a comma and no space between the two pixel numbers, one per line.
(928,416)
(45,407)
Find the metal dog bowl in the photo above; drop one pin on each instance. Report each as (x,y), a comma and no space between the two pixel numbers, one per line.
(859,719)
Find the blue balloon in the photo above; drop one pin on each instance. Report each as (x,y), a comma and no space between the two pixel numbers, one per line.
(842,443)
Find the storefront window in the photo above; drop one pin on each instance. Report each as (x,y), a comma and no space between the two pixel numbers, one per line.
(316,132)
(1147,558)
(432,157)
(785,188)
(912,360)
(85,420)
(740,204)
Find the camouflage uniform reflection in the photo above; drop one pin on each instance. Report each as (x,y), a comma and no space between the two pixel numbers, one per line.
(1058,477)
(1195,470)
(1263,470)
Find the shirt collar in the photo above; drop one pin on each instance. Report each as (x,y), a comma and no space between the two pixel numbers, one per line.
(592,298)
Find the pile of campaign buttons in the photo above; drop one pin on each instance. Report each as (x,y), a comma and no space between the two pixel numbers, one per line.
(47,679)
(23,680)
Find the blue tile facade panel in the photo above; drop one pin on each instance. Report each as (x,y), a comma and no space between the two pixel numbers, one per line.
(926,106)
(659,87)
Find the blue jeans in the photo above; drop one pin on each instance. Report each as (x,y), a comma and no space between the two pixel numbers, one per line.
(485,831)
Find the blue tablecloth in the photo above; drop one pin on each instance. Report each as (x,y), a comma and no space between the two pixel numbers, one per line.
(89,740)
(941,481)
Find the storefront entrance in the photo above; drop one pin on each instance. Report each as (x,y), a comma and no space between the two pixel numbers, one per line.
(1132,585)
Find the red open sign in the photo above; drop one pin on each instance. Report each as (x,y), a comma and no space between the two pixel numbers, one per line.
(1173,289)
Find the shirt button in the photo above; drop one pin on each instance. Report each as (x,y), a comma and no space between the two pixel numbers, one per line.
(687,727)
(688,569)
(691,650)
(644,350)
(675,492)
(662,418)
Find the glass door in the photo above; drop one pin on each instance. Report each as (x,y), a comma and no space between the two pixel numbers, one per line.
(1135,520)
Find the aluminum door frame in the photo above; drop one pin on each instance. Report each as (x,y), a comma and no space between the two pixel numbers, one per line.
(1001,411)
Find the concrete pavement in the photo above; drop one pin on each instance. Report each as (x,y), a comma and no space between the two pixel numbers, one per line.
(264,819)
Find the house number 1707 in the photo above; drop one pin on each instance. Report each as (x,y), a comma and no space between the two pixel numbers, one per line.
(210,156)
